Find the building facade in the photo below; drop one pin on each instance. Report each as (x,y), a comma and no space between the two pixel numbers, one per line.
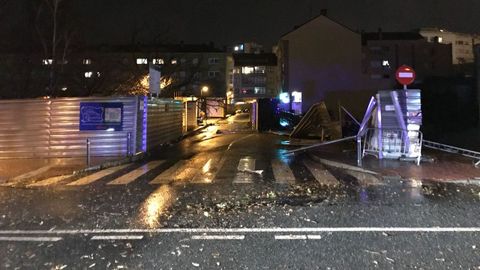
(122,70)
(462,43)
(384,52)
(254,75)
(318,58)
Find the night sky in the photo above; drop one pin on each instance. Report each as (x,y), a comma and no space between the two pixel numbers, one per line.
(226,22)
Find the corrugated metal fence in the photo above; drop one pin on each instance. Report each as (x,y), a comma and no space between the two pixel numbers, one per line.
(50,128)
(164,122)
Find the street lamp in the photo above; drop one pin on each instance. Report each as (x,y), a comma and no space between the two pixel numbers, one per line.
(204,101)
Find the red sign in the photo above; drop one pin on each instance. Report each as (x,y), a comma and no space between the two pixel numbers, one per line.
(405,75)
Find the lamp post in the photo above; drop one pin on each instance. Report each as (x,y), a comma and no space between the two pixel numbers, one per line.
(204,101)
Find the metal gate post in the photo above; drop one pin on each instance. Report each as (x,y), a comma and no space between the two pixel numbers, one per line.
(88,152)
(359,151)
(129,144)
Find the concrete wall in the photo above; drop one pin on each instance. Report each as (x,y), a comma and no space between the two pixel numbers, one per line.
(319,57)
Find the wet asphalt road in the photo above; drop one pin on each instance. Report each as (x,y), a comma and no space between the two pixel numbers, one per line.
(232,220)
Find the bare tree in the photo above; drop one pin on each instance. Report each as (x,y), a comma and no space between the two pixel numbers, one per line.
(55,37)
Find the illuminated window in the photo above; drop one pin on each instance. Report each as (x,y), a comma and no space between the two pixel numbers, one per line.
(99,74)
(64,88)
(142,61)
(260,90)
(174,61)
(158,61)
(87,61)
(47,62)
(385,63)
(247,70)
(440,39)
(88,74)
(259,69)
(212,61)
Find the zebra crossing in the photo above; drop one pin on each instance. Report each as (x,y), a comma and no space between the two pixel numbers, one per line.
(196,170)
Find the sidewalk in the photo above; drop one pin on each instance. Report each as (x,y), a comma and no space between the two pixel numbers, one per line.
(446,168)
(24,170)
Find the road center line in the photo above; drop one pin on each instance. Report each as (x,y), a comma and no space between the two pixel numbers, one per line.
(251,230)
(218,237)
(117,237)
(30,239)
(291,237)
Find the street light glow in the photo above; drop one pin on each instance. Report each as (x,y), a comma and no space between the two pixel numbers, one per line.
(205,89)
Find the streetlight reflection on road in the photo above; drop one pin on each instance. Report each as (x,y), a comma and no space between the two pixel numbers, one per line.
(155,205)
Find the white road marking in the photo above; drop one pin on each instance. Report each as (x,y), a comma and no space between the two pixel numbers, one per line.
(49,181)
(30,239)
(169,174)
(282,172)
(209,171)
(322,175)
(243,176)
(218,237)
(314,236)
(117,237)
(33,173)
(133,175)
(253,230)
(96,176)
(290,237)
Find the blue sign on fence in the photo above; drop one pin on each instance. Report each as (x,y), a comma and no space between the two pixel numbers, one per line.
(101,116)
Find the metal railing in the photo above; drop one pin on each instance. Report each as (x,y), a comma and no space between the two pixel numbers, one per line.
(392,143)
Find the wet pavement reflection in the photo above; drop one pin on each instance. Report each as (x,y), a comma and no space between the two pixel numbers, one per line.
(155,206)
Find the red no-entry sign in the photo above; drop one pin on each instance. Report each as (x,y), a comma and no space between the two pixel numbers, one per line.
(405,75)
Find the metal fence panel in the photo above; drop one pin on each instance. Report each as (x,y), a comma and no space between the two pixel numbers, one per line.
(66,139)
(164,122)
(24,128)
(49,128)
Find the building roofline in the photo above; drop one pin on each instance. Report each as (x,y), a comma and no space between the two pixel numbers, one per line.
(316,17)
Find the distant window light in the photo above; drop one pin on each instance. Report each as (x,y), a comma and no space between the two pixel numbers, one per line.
(440,39)
(99,74)
(236,48)
(47,62)
(174,61)
(241,47)
(88,74)
(87,61)
(385,63)
(142,61)
(195,61)
(260,90)
(64,88)
(212,60)
(247,70)
(158,61)
(260,69)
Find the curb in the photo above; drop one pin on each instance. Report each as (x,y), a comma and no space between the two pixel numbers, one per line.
(340,165)
(135,157)
(114,163)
